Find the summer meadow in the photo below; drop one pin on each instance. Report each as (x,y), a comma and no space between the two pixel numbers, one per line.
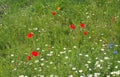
(59,38)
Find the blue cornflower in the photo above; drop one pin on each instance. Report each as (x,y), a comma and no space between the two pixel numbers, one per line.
(115,52)
(110,45)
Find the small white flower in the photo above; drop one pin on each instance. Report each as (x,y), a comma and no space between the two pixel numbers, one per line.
(88,61)
(37,48)
(96,74)
(42,64)
(93,14)
(101,61)
(80,54)
(100,40)
(12,55)
(35,68)
(64,48)
(51,75)
(21,75)
(43,29)
(61,52)
(75,47)
(96,58)
(80,71)
(42,59)
(102,49)
(70,76)
(12,61)
(89,37)
(97,62)
(73,68)
(116,67)
(118,61)
(58,54)
(43,50)
(108,75)
(116,45)
(90,69)
(88,16)
(87,65)
(36,61)
(51,62)
(98,65)
(69,50)
(86,55)
(89,75)
(104,53)
(35,29)
(66,57)
(76,71)
(92,48)
(103,45)
(51,52)
(86,12)
(46,45)
(106,58)
(15,69)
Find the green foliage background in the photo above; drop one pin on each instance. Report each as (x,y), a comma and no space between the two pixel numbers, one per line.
(19,17)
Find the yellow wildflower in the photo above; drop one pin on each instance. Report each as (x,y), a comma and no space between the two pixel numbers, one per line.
(58,8)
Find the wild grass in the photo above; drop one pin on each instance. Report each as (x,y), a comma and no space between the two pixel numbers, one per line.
(63,52)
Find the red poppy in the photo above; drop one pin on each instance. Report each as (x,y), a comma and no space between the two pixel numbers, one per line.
(82,25)
(72,26)
(53,13)
(29,57)
(35,53)
(30,35)
(85,33)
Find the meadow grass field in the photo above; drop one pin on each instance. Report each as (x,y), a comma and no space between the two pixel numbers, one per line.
(59,38)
